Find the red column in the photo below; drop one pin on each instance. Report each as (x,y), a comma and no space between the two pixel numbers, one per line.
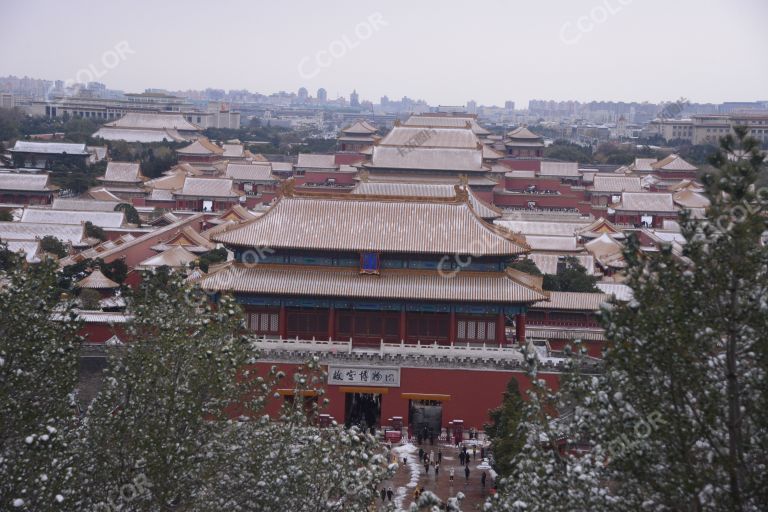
(520,327)
(452,328)
(402,324)
(283,322)
(331,322)
(500,328)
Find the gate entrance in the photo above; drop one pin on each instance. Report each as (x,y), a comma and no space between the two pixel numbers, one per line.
(363,410)
(426,417)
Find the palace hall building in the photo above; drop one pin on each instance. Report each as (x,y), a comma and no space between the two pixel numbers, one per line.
(415,289)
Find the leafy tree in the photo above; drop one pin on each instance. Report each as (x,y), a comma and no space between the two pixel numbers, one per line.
(94,231)
(214,256)
(569,152)
(527,266)
(89,299)
(131,215)
(8,258)
(38,373)
(571,277)
(10,123)
(53,245)
(504,430)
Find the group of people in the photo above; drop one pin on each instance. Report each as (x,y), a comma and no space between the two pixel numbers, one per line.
(429,459)
(386,494)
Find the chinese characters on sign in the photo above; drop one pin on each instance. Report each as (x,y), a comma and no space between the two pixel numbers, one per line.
(363,376)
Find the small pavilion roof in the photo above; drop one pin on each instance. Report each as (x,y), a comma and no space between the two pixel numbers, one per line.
(124,172)
(360,128)
(673,163)
(577,301)
(175,257)
(97,281)
(201,146)
(523,133)
(607,251)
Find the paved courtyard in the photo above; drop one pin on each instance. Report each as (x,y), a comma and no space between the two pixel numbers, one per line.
(411,475)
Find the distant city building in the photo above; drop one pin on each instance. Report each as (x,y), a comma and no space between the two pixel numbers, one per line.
(509,105)
(303,94)
(216,115)
(708,129)
(7,100)
(472,107)
(322,95)
(354,99)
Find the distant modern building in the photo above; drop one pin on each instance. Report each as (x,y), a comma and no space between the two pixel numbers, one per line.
(354,99)
(509,105)
(7,100)
(303,94)
(105,109)
(322,95)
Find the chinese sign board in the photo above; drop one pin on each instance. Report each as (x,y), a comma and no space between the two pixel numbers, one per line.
(363,376)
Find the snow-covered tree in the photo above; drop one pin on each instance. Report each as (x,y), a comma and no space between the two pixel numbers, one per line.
(38,374)
(290,464)
(678,419)
(147,438)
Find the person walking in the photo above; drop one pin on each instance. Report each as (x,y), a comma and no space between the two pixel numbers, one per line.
(439,455)
(390,494)
(474,452)
(466,474)
(421,453)
(383,495)
(437,470)
(450,475)
(482,480)
(426,466)
(431,455)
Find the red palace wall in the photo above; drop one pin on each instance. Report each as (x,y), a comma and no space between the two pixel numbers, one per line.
(472,392)
(99,333)
(521,165)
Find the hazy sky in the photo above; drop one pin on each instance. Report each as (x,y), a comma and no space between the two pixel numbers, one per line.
(446,52)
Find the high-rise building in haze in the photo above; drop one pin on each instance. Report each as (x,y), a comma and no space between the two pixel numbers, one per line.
(322,95)
(509,105)
(471,107)
(303,94)
(354,99)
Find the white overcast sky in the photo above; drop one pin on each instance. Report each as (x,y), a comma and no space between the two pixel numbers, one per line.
(446,52)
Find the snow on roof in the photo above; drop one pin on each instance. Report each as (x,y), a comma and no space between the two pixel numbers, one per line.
(208,187)
(51,148)
(154,121)
(647,202)
(126,172)
(97,281)
(28,248)
(68,233)
(89,205)
(24,182)
(559,169)
(175,257)
(311,161)
(102,219)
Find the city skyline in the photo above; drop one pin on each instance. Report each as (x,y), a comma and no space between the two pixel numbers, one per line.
(581,51)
